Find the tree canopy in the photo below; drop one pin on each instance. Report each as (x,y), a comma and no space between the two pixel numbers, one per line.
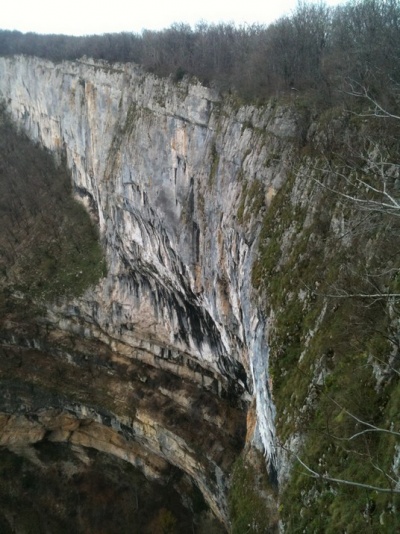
(314,49)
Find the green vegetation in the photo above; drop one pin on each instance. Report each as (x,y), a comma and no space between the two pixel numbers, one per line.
(214,165)
(252,200)
(333,351)
(251,498)
(49,245)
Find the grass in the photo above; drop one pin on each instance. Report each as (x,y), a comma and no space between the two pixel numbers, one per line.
(252,200)
(251,497)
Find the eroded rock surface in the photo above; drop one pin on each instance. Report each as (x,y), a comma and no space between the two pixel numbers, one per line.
(161,361)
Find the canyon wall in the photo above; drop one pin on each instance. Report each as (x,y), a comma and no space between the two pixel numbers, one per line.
(249,315)
(165,361)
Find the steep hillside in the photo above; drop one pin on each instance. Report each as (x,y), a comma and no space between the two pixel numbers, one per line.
(329,271)
(49,247)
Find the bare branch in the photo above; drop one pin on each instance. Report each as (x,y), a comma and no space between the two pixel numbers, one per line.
(392,207)
(384,473)
(345,295)
(366,431)
(359,91)
(369,425)
(328,478)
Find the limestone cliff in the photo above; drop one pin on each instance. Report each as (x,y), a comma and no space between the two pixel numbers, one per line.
(238,285)
(163,359)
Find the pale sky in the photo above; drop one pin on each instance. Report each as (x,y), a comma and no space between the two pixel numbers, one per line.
(84,17)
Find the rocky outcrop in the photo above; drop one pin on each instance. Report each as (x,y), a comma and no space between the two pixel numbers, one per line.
(160,362)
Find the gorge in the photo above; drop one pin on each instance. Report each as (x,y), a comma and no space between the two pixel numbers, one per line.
(164,363)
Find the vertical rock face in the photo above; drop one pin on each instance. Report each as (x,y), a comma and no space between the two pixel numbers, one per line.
(174,176)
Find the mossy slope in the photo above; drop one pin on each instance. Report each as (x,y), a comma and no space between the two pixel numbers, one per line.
(333,350)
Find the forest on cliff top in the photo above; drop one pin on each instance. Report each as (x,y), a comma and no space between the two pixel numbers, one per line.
(316,49)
